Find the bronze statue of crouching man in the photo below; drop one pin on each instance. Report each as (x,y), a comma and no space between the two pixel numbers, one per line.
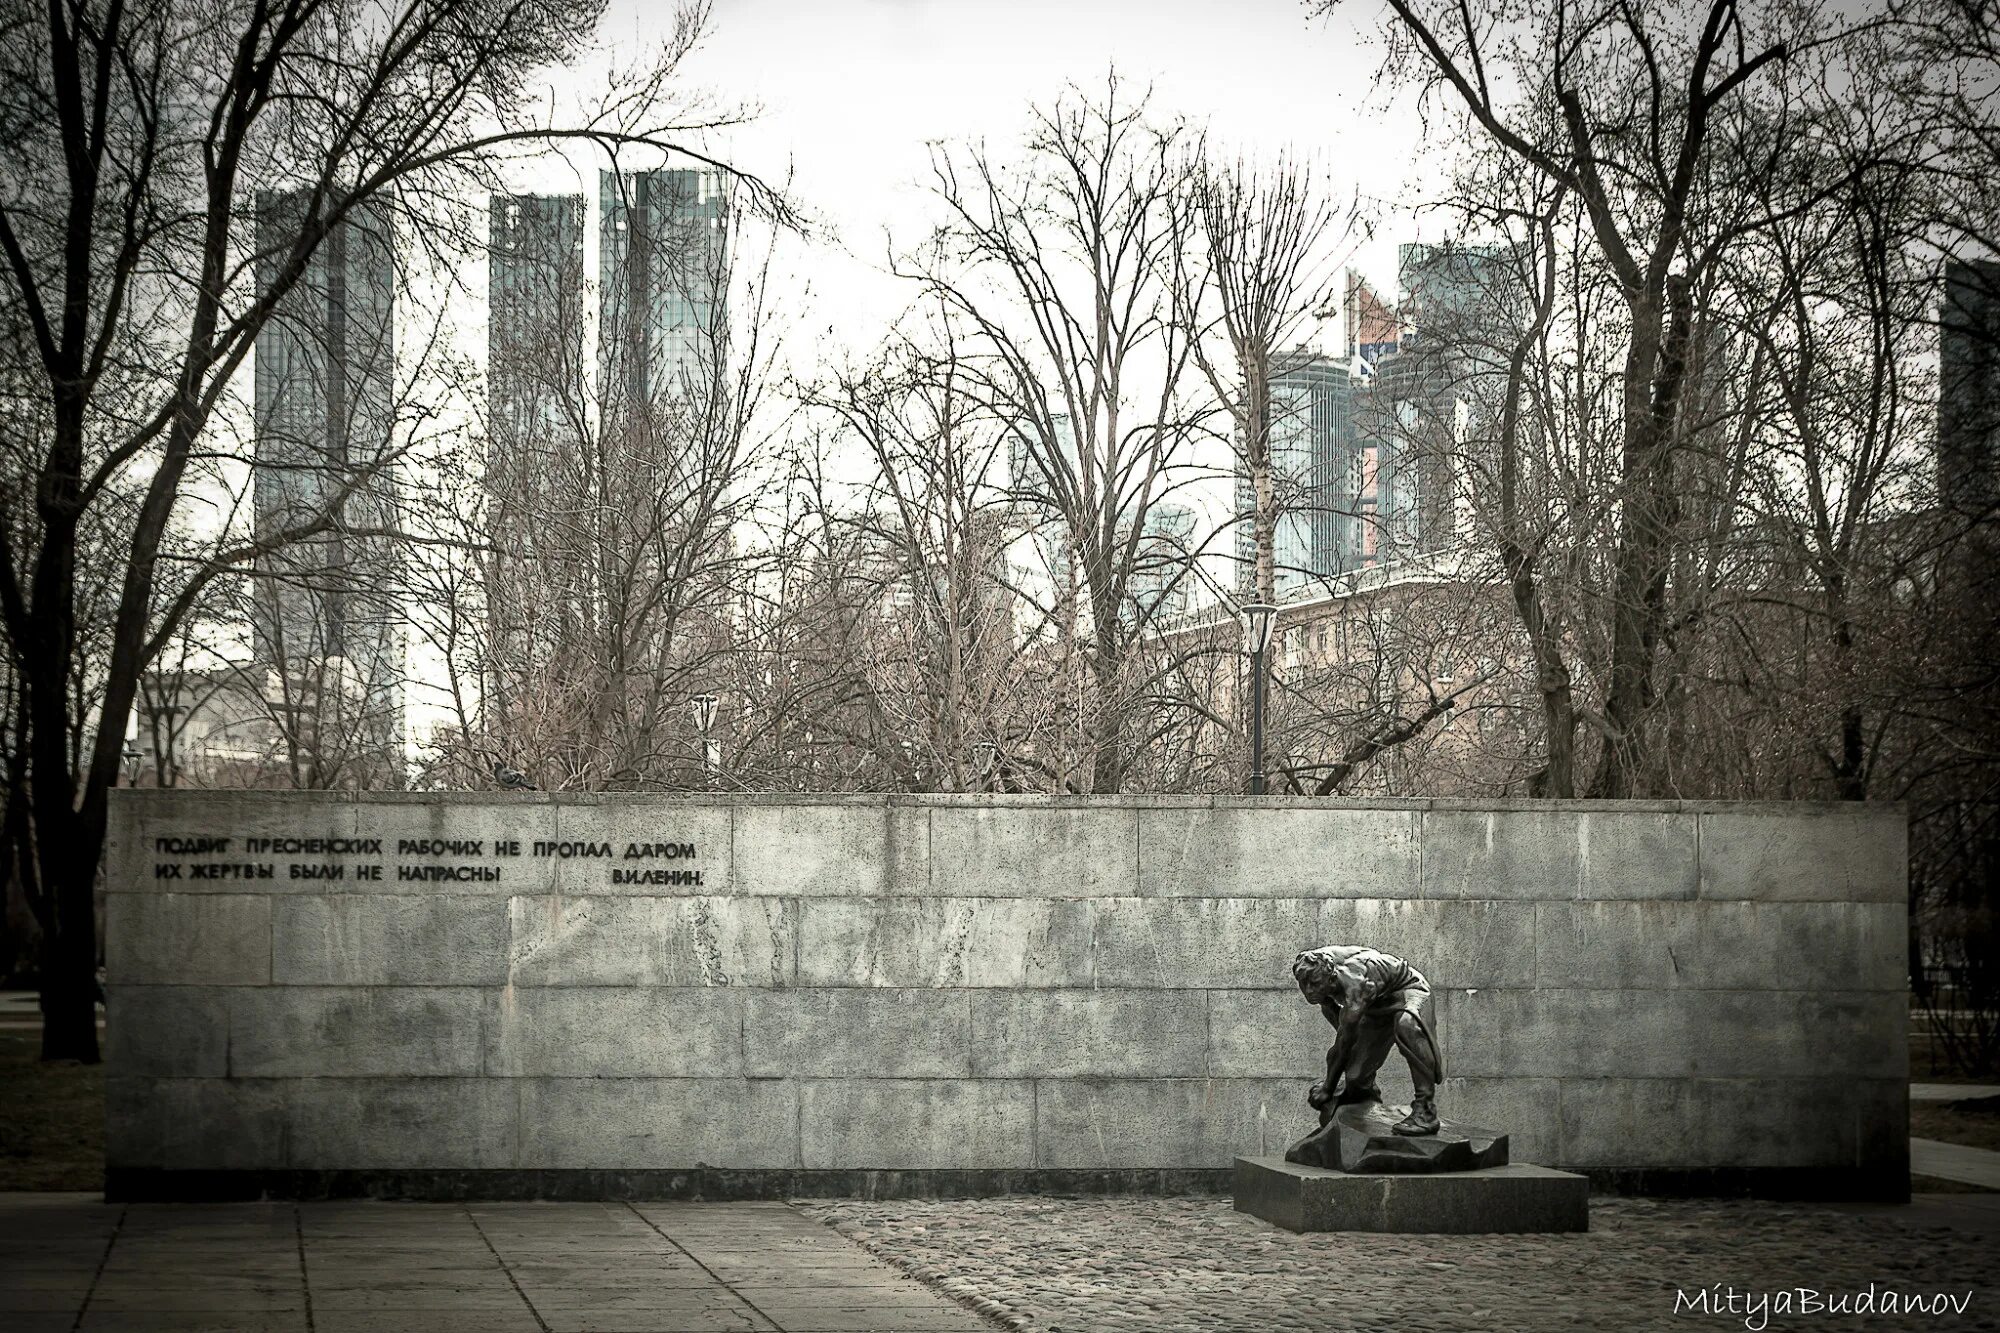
(1372,999)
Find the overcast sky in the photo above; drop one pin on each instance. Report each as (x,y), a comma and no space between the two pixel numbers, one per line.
(850,93)
(852,90)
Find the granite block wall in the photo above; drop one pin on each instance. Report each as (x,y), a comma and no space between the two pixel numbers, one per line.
(526,993)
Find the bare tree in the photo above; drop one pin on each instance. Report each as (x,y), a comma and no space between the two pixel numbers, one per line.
(945,669)
(591,568)
(1270,237)
(1627,109)
(1064,271)
(135,135)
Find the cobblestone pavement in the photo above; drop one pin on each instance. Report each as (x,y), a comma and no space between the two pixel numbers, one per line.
(1163,1265)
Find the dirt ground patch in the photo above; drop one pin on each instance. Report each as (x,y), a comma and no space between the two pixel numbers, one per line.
(51,1119)
(1974,1124)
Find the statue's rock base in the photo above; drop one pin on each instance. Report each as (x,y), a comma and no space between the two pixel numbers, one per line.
(1361,1137)
(1513,1198)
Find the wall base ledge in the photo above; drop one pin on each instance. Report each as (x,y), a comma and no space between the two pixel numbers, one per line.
(1817,1184)
(161,1185)
(131,1184)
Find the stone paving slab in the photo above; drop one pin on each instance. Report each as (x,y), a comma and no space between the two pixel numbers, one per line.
(1955,1162)
(1952,1092)
(70,1262)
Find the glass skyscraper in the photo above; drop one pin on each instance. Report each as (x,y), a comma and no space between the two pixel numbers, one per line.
(663,275)
(324,606)
(1316,477)
(534,332)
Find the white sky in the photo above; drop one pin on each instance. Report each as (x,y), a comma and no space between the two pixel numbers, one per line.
(851,91)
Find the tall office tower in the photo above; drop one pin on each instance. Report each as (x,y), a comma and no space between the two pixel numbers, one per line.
(1027,473)
(537,395)
(534,333)
(1315,477)
(326,619)
(1458,300)
(1162,576)
(663,275)
(1969,390)
(1435,394)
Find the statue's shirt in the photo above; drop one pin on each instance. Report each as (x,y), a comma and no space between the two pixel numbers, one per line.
(1388,986)
(1388,983)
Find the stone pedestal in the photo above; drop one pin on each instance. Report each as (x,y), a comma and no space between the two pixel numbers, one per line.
(1514,1198)
(1362,1137)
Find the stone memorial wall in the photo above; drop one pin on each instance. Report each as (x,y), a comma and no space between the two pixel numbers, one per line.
(531,995)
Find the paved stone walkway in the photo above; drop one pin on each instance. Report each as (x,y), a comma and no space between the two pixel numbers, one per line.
(72,1262)
(1952,1092)
(1955,1161)
(1160,1265)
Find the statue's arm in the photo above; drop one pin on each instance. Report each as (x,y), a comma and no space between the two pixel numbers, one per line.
(1345,1019)
(1336,1054)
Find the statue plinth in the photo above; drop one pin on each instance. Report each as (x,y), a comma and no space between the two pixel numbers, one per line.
(1361,1138)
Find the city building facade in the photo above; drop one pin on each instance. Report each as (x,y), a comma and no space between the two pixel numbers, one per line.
(323,607)
(663,278)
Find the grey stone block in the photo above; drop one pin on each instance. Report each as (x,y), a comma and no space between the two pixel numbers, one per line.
(193,1124)
(1271,1033)
(832,850)
(1249,943)
(1618,945)
(350,939)
(166,1031)
(1882,1136)
(614,1032)
(464,831)
(1009,942)
(190,939)
(135,854)
(1287,852)
(1675,1034)
(1564,853)
(1803,946)
(1513,1199)
(1175,943)
(1034,851)
(1528,1109)
(1452,943)
(1722,945)
(704,941)
(1852,852)
(1165,1122)
(872,1033)
(1064,1033)
(636,824)
(1721,1123)
(1631,1123)
(917,1124)
(653,1124)
(372,1031)
(356,1124)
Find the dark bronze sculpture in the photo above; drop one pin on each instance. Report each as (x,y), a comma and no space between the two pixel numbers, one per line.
(1374,1000)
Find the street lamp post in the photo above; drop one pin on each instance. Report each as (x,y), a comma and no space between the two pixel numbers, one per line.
(983,755)
(704,719)
(1258,618)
